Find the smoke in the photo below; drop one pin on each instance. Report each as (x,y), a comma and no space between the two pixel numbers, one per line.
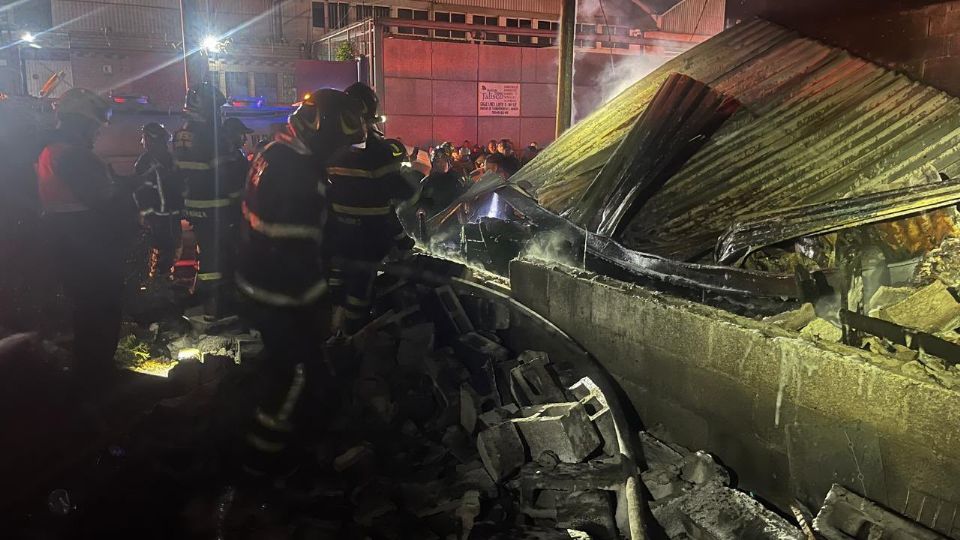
(554,247)
(618,70)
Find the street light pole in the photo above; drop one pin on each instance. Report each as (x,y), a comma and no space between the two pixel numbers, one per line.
(183,41)
(568,30)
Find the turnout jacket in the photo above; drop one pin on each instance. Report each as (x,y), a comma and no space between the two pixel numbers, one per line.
(284,212)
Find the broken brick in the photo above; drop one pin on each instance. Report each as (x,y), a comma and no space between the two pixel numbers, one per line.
(534,380)
(501,450)
(595,403)
(455,315)
(562,428)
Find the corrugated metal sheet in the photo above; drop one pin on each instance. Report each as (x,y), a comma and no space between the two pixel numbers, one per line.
(703,17)
(818,124)
(154,17)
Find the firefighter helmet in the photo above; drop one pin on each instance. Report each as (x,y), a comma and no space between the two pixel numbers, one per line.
(235,125)
(327,119)
(368,99)
(204,99)
(80,102)
(156,132)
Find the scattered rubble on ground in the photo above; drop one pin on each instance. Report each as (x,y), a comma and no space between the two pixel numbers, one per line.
(941,263)
(932,309)
(693,498)
(794,320)
(846,515)
(823,330)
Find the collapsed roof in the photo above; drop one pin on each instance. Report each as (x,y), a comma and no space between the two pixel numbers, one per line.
(815,124)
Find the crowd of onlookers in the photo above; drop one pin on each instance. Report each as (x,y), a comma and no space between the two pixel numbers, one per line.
(473,159)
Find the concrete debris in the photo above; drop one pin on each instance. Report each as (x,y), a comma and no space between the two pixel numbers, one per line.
(719,512)
(534,381)
(823,330)
(486,316)
(590,511)
(940,264)
(498,415)
(794,320)
(455,316)
(700,468)
(501,450)
(596,406)
(898,354)
(931,309)
(887,296)
(562,428)
(846,516)
(691,498)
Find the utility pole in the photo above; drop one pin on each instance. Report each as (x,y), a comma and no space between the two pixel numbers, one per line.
(183,40)
(568,30)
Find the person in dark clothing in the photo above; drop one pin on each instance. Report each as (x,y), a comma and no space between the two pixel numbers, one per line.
(87,220)
(443,186)
(282,278)
(213,194)
(22,291)
(529,153)
(160,200)
(511,164)
(365,184)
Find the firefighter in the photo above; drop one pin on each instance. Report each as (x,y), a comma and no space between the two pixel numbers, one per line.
(235,134)
(281,274)
(365,183)
(160,200)
(212,202)
(87,218)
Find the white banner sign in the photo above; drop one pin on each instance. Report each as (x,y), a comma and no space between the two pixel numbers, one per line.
(498,99)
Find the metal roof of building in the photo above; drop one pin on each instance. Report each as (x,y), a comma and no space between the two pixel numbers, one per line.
(817,124)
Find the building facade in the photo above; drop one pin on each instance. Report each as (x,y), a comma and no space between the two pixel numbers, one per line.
(127,48)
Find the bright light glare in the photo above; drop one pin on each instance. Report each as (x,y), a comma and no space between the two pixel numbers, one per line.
(28,37)
(210,43)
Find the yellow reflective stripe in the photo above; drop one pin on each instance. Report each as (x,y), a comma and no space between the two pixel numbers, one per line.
(363,173)
(360,302)
(194,165)
(281,230)
(335,281)
(264,445)
(273,298)
(362,211)
(273,423)
(213,203)
(210,276)
(293,394)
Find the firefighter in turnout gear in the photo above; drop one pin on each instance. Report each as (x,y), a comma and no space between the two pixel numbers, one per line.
(281,274)
(213,191)
(87,218)
(365,183)
(160,200)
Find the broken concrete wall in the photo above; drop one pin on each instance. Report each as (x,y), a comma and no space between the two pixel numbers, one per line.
(791,416)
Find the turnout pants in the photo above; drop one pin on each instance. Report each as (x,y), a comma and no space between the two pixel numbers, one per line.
(89,267)
(165,237)
(216,231)
(358,246)
(283,396)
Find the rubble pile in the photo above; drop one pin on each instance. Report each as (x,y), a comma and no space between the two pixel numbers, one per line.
(454,435)
(692,498)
